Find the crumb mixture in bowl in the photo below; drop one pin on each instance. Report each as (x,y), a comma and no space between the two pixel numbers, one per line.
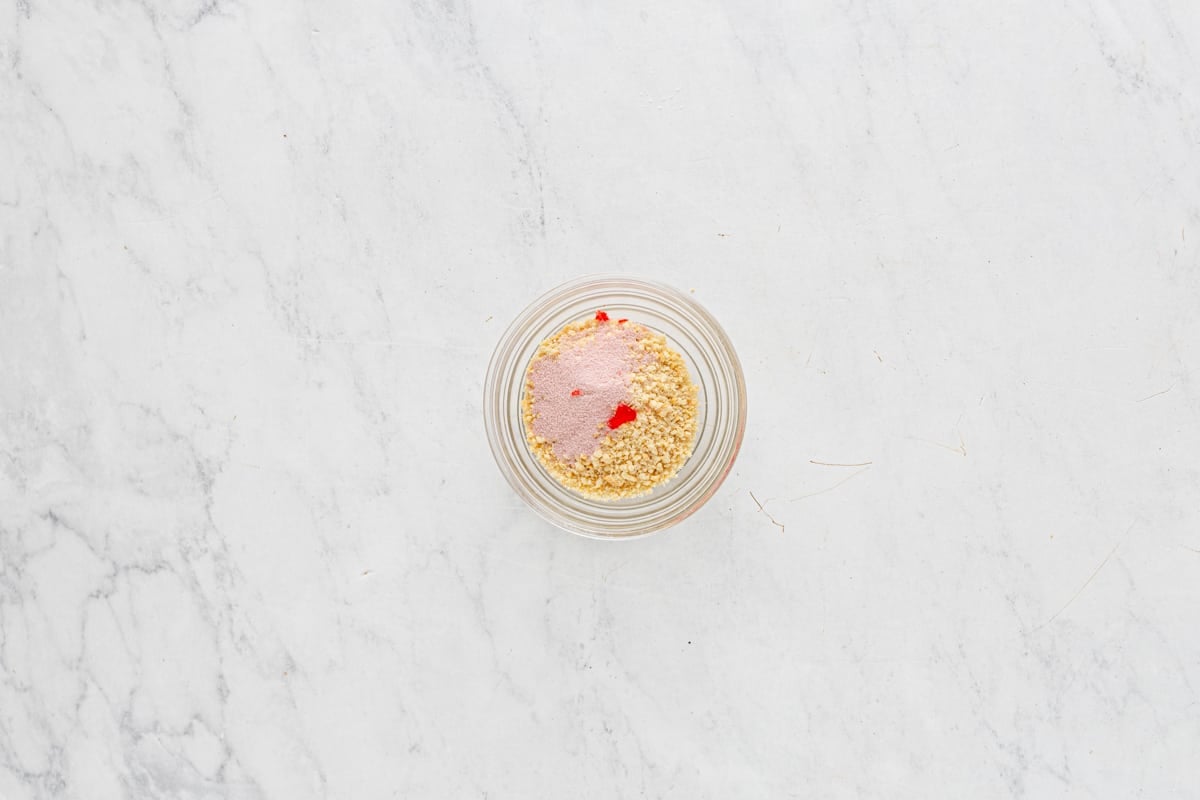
(609,408)
(617,423)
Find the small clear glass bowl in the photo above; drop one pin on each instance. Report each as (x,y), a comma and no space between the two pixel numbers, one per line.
(711,362)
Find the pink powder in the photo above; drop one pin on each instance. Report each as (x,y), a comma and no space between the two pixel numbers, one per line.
(597,362)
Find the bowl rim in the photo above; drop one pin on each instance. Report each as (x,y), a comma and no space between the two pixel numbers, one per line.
(505,357)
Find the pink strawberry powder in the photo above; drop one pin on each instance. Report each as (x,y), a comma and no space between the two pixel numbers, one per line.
(576,392)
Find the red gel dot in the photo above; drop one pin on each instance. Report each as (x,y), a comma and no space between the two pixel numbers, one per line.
(576,392)
(622,320)
(622,415)
(601,316)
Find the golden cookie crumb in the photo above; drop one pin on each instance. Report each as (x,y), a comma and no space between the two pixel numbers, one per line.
(639,455)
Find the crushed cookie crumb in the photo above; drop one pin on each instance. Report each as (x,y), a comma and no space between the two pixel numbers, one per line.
(655,413)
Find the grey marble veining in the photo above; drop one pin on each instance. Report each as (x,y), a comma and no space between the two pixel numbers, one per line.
(253,261)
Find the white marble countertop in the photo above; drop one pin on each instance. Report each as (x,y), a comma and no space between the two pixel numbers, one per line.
(254,258)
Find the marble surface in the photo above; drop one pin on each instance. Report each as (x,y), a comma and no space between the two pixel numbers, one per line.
(254,258)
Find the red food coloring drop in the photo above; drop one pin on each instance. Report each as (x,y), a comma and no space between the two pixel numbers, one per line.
(601,316)
(576,392)
(622,415)
(622,320)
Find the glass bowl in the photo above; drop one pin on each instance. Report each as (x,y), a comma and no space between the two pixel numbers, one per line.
(711,362)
